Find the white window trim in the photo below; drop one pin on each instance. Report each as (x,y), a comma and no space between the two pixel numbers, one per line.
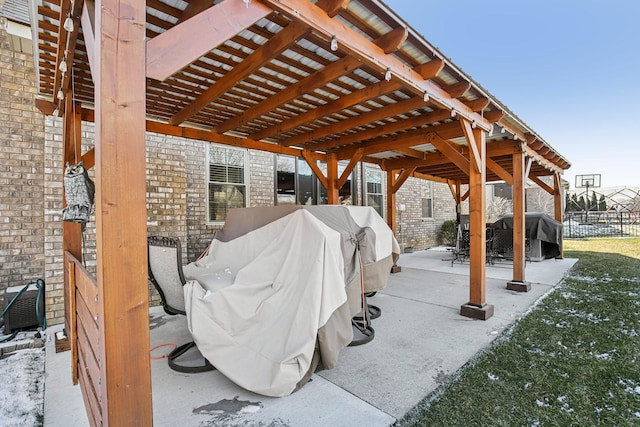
(383,190)
(432,217)
(208,220)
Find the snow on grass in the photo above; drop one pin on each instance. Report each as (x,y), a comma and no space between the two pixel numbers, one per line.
(22,393)
(568,361)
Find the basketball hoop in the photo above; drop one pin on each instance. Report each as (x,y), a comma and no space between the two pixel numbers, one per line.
(588,181)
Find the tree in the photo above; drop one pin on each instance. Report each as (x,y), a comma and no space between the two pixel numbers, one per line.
(602,205)
(572,203)
(498,207)
(581,203)
(593,206)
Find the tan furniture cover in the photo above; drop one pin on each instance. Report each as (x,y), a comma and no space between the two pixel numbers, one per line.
(279,286)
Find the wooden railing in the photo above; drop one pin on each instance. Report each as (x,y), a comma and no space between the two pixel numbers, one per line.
(82,312)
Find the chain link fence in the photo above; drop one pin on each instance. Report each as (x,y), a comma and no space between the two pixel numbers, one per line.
(578,225)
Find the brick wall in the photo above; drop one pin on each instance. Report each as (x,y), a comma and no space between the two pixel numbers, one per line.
(418,232)
(21,169)
(262,178)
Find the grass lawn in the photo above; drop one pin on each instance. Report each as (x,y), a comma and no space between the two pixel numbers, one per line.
(574,360)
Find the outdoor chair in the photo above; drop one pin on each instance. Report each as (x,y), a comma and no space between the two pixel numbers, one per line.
(165,273)
(463,244)
(502,245)
(489,246)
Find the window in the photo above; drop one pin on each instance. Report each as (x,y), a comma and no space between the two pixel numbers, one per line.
(297,184)
(226,179)
(344,193)
(285,180)
(373,190)
(426,191)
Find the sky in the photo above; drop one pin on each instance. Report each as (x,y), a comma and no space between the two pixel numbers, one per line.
(570,69)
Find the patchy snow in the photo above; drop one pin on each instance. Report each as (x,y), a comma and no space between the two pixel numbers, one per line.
(492,377)
(542,404)
(564,401)
(22,389)
(630,386)
(604,356)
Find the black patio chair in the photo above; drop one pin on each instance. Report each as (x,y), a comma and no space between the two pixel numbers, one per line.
(502,245)
(463,245)
(165,273)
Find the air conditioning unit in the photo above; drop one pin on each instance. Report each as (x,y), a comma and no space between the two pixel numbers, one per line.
(22,313)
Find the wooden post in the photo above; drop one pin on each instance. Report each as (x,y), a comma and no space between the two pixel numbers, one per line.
(391,202)
(332,179)
(121,215)
(518,283)
(391,211)
(558,199)
(71,153)
(477,307)
(71,231)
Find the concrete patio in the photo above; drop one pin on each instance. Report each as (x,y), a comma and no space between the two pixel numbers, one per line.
(420,341)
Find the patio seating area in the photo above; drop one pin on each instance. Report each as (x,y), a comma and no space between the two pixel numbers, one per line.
(421,340)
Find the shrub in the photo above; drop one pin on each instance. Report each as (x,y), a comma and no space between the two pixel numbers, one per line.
(448,232)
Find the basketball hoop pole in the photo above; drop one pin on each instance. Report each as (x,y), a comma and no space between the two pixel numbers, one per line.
(586,181)
(586,202)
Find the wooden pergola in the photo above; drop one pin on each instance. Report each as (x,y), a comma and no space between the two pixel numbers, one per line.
(327,81)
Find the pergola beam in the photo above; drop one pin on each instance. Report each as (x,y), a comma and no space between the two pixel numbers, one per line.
(397,141)
(87,20)
(392,40)
(360,120)
(532,154)
(66,49)
(340,104)
(430,69)
(542,184)
(386,129)
(356,44)
(194,8)
(477,105)
(347,171)
(177,47)
(429,159)
(458,90)
(306,85)
(469,134)
(494,116)
(451,153)
(311,161)
(265,53)
(402,178)
(429,177)
(332,7)
(502,173)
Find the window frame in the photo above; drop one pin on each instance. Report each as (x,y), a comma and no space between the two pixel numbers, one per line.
(365,189)
(208,182)
(430,202)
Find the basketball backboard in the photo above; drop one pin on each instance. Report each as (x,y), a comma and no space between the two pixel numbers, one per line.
(588,181)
